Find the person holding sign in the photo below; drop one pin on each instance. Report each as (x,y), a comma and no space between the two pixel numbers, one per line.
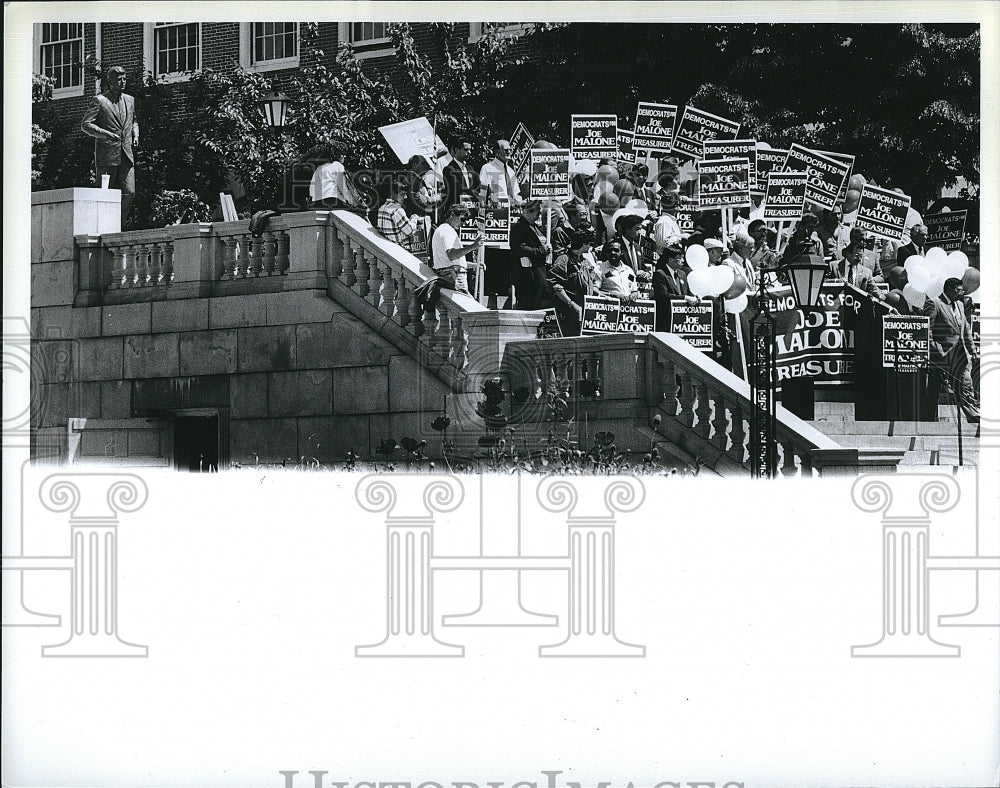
(393,222)
(529,253)
(952,351)
(669,282)
(571,280)
(447,253)
(617,279)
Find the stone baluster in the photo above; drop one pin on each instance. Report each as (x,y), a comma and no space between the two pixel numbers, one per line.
(403,297)
(156,264)
(788,468)
(668,384)
(720,422)
(416,314)
(269,244)
(387,292)
(458,344)
(256,256)
(281,261)
(350,266)
(167,262)
(737,434)
(141,252)
(686,398)
(430,321)
(228,258)
(116,280)
(374,278)
(363,287)
(703,410)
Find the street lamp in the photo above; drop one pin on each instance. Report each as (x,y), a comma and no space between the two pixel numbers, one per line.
(805,275)
(275,106)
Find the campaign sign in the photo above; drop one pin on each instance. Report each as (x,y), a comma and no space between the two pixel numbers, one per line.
(520,144)
(816,344)
(692,322)
(946,230)
(497,221)
(470,228)
(549,328)
(602,315)
(784,197)
(905,342)
(696,127)
(654,129)
(976,326)
(594,136)
(549,173)
(767,160)
(413,137)
(843,158)
(734,149)
(626,151)
(826,176)
(882,212)
(685,221)
(724,183)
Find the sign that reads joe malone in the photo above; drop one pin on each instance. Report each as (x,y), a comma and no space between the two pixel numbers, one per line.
(603,315)
(882,212)
(905,342)
(826,176)
(594,136)
(626,150)
(734,149)
(724,183)
(692,322)
(497,225)
(946,230)
(654,129)
(696,127)
(784,197)
(768,159)
(549,173)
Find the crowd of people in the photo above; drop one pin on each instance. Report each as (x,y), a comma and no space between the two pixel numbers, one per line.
(618,235)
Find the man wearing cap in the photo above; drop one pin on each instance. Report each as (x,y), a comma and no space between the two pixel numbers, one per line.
(715,250)
(666,231)
(952,351)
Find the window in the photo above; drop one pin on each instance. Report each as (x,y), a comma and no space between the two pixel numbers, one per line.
(60,56)
(507,29)
(369,39)
(267,46)
(174,49)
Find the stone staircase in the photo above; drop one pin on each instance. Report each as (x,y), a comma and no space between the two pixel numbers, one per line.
(926,443)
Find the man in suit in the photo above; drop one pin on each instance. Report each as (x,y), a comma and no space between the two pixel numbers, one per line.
(918,235)
(461,184)
(110,119)
(669,282)
(952,351)
(852,271)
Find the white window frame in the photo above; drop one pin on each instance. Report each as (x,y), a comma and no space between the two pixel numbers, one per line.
(149,52)
(72,90)
(364,50)
(511,29)
(246,51)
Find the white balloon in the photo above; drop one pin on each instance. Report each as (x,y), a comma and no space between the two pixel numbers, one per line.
(918,273)
(936,256)
(722,278)
(700,282)
(761,145)
(913,297)
(696,256)
(960,257)
(936,286)
(736,305)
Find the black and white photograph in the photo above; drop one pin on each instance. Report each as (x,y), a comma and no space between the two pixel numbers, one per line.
(395,331)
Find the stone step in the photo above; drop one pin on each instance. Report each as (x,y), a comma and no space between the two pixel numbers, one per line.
(943,428)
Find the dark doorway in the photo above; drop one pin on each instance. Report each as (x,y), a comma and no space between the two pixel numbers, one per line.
(196,443)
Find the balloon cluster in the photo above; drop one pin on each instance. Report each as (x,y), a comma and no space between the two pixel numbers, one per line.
(715,280)
(926,275)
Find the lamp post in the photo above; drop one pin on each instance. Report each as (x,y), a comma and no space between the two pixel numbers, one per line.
(275,107)
(805,275)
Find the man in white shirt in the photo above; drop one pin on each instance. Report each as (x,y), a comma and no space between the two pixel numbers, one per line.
(331,188)
(666,231)
(448,254)
(498,179)
(618,280)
